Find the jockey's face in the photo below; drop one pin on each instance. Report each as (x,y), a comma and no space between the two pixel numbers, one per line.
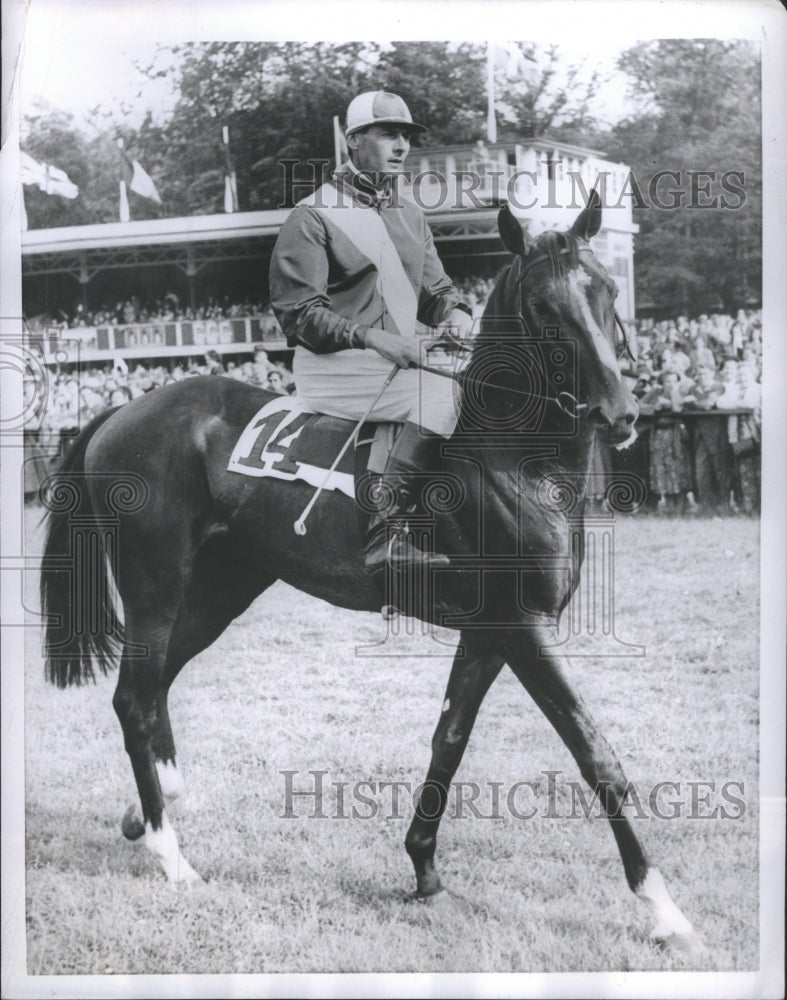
(380,149)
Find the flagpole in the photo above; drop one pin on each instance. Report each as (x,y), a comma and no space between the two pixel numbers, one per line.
(125,215)
(230,189)
(491,120)
(337,142)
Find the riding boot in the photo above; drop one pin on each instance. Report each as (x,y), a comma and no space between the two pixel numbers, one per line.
(388,539)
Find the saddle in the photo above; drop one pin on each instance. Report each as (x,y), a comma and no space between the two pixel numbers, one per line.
(286,440)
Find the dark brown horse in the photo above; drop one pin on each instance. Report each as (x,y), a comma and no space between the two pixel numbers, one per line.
(145,491)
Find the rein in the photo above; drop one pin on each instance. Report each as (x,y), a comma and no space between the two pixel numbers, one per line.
(571,400)
(565,401)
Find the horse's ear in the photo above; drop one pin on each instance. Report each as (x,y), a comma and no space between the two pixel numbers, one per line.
(514,238)
(588,222)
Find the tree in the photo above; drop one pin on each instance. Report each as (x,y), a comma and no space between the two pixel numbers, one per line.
(278,101)
(697,112)
(558,104)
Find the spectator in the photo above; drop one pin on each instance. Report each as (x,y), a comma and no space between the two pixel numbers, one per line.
(91,404)
(745,435)
(262,367)
(35,465)
(710,448)
(731,393)
(275,383)
(669,459)
(120,395)
(213,363)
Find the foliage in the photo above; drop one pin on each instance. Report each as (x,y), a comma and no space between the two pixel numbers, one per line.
(695,105)
(696,108)
(278,101)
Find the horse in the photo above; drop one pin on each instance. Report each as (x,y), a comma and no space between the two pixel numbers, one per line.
(192,544)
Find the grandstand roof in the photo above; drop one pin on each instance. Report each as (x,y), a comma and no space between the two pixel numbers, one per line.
(541,143)
(191,242)
(149,232)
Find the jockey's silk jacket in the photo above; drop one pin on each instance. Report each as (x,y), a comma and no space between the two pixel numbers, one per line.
(325,290)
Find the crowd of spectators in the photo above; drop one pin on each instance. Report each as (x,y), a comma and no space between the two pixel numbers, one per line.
(167,309)
(687,370)
(56,411)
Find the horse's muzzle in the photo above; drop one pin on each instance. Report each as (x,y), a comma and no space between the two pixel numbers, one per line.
(616,429)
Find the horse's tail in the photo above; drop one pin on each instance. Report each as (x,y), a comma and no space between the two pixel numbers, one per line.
(76,587)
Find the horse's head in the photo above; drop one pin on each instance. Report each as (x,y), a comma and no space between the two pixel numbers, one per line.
(557,283)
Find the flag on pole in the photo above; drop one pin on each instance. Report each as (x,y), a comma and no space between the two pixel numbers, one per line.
(134,178)
(518,66)
(509,57)
(340,151)
(49,179)
(230,183)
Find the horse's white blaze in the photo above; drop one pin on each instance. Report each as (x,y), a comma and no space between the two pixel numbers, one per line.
(164,844)
(669,919)
(579,281)
(170,779)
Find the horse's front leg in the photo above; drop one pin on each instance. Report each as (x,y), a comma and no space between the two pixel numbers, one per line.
(472,673)
(544,676)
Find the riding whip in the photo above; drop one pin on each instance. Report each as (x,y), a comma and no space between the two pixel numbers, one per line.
(299,526)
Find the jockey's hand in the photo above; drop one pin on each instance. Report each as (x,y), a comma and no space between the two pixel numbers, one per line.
(461,324)
(407,352)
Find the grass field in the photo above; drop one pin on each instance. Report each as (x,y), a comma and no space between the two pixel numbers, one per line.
(283,690)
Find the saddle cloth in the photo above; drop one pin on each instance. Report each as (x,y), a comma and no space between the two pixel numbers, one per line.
(287,440)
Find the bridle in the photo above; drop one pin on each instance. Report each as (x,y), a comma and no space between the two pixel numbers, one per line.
(567,402)
(529,263)
(564,400)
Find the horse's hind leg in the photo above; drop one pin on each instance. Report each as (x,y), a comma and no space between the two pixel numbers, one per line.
(544,677)
(220,588)
(136,702)
(169,776)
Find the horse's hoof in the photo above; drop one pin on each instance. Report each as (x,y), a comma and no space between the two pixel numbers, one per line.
(443,901)
(688,945)
(131,825)
(430,899)
(187,881)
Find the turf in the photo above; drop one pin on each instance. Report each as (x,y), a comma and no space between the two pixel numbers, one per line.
(285,689)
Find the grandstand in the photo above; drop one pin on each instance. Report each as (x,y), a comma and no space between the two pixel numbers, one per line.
(70,275)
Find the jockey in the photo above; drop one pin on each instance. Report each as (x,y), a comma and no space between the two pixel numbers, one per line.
(353,269)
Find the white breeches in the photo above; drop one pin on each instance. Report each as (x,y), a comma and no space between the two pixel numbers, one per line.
(345,384)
